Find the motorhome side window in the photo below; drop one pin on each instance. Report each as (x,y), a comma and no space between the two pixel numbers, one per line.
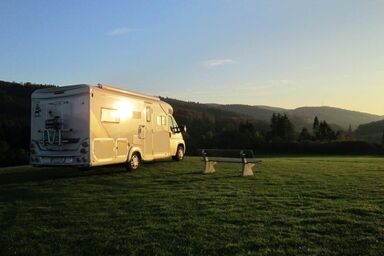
(148,114)
(110,115)
(161,120)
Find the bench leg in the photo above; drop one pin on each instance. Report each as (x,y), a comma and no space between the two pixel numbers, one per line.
(247,169)
(209,167)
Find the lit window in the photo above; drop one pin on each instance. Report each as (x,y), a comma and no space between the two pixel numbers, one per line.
(110,115)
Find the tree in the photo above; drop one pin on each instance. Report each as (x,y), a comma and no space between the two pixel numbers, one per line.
(246,127)
(304,135)
(382,139)
(349,134)
(322,131)
(315,127)
(281,127)
(341,136)
(4,147)
(246,135)
(325,132)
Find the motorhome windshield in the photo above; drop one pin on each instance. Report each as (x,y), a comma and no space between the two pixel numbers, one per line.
(172,122)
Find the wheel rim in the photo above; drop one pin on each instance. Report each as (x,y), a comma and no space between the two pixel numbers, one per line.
(134,161)
(180,153)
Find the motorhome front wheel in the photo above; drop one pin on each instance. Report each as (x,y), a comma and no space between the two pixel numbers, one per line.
(179,154)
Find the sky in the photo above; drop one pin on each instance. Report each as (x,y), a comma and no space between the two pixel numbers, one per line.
(258,52)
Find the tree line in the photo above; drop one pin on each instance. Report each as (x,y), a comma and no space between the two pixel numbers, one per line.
(279,137)
(15,111)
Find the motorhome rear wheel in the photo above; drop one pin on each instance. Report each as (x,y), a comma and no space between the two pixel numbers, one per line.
(134,162)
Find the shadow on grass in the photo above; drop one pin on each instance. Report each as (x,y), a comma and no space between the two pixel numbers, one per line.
(25,174)
(31,174)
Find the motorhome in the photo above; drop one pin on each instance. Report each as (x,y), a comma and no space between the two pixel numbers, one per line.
(85,125)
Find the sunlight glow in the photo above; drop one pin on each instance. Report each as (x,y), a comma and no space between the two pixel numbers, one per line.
(125,109)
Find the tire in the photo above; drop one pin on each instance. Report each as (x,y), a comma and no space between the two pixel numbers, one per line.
(179,154)
(134,162)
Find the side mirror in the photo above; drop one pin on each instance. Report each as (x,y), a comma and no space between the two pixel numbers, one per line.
(179,129)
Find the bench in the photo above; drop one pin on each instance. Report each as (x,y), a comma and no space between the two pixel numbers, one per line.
(213,156)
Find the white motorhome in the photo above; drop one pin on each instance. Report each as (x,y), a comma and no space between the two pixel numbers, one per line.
(84,125)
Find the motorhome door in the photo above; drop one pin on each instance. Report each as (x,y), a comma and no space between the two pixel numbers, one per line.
(148,130)
(161,136)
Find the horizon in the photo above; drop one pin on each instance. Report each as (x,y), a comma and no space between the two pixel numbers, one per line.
(218,103)
(303,106)
(273,53)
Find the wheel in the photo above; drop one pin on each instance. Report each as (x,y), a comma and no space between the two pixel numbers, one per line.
(179,154)
(134,162)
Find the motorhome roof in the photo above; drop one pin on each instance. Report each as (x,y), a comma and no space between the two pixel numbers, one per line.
(62,89)
(137,94)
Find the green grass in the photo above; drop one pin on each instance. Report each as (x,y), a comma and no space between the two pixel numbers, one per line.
(292,206)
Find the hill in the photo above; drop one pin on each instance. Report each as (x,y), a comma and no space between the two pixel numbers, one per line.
(259,113)
(264,113)
(372,132)
(209,126)
(303,116)
(338,116)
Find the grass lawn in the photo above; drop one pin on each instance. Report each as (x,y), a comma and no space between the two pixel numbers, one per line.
(292,206)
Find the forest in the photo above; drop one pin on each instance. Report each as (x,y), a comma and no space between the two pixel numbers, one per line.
(208,127)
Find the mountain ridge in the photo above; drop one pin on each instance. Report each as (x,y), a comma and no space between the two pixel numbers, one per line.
(371,132)
(304,116)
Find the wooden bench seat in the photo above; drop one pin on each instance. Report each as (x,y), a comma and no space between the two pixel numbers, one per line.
(233,160)
(213,156)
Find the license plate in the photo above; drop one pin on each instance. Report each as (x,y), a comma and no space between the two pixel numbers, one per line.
(58,160)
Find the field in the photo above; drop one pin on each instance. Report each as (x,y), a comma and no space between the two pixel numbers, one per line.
(292,206)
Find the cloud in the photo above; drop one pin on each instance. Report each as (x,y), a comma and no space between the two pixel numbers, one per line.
(120,31)
(217,62)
